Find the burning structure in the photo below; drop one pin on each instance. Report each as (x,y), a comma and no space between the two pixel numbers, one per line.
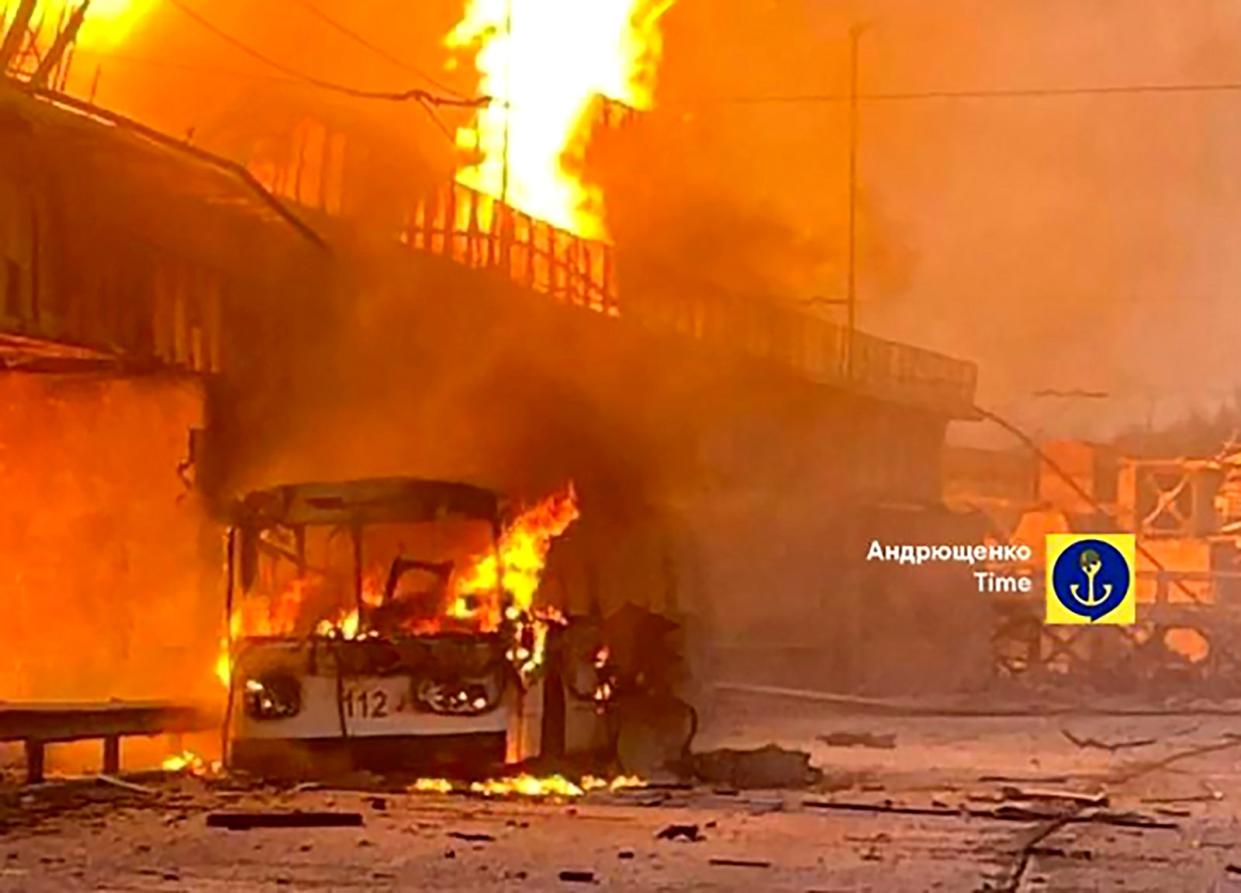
(458,327)
(386,423)
(389,612)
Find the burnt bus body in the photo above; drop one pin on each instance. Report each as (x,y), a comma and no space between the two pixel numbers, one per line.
(351,643)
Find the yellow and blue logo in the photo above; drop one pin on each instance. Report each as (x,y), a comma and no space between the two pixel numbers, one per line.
(1090,578)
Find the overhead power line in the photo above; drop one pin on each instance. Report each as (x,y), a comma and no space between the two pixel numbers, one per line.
(415,94)
(178,65)
(379,51)
(1015,93)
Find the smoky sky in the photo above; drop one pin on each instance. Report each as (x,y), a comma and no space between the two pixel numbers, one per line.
(1063,242)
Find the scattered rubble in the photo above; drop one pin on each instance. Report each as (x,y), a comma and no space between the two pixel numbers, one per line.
(1017,793)
(739,863)
(1004,813)
(766,767)
(130,786)
(1104,745)
(244,821)
(859,739)
(690,833)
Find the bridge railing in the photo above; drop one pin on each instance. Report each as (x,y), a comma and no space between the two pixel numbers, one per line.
(476,230)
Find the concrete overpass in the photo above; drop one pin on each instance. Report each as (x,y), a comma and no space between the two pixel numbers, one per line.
(119,246)
(722,444)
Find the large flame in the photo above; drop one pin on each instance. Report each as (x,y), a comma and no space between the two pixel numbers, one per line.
(106,24)
(546,64)
(522,553)
(481,598)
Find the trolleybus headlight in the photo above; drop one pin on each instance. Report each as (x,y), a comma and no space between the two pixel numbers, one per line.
(273,696)
(468,696)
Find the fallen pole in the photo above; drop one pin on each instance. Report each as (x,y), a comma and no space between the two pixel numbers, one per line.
(1006,813)
(244,821)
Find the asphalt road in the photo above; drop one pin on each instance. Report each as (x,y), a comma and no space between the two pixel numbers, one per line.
(1173,789)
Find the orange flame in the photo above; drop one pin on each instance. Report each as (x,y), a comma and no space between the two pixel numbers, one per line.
(476,598)
(107,22)
(526,785)
(188,761)
(546,64)
(522,552)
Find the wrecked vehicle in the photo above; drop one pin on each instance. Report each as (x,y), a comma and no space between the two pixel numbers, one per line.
(387,624)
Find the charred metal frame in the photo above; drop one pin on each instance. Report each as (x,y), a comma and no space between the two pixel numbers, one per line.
(351,505)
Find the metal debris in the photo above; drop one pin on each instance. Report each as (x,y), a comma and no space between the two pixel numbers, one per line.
(1098,744)
(859,739)
(244,821)
(115,782)
(766,767)
(740,863)
(1019,793)
(681,832)
(1004,813)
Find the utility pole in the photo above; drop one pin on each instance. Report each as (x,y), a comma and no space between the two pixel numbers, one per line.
(508,99)
(505,217)
(855,39)
(59,47)
(16,36)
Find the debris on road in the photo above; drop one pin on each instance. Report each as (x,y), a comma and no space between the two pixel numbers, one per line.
(1011,792)
(1208,797)
(130,786)
(739,863)
(690,833)
(570,876)
(765,767)
(1056,852)
(471,836)
(859,739)
(244,821)
(1023,779)
(1004,813)
(1030,850)
(1111,747)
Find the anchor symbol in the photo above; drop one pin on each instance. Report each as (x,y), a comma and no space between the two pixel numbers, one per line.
(1091,564)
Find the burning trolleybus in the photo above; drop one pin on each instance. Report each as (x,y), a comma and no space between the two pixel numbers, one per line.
(375,623)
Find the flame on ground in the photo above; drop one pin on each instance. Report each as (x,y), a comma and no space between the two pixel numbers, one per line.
(192,763)
(526,785)
(546,64)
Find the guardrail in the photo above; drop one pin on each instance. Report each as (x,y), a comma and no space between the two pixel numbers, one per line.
(37,725)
